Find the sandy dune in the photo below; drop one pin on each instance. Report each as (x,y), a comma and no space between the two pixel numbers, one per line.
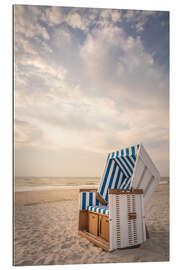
(46,233)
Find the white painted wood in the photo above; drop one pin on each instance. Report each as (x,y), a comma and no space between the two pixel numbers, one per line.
(145,176)
(130,222)
(131,232)
(137,173)
(147,160)
(150,190)
(143,218)
(112,223)
(140,219)
(123,221)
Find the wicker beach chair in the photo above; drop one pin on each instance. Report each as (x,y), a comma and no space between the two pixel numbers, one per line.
(113,215)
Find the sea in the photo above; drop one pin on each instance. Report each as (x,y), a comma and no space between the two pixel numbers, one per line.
(50,183)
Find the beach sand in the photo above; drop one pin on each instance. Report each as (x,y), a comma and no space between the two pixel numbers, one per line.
(42,196)
(46,231)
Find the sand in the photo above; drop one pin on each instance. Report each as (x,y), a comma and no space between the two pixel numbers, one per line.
(46,231)
(41,196)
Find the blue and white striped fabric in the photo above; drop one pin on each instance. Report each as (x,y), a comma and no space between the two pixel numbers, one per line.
(118,170)
(99,209)
(126,183)
(88,199)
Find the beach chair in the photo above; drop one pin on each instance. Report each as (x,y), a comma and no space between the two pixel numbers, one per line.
(113,215)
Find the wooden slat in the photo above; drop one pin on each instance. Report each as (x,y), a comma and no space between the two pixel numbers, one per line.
(142,176)
(96,240)
(88,190)
(134,220)
(151,182)
(93,223)
(83,220)
(101,200)
(131,247)
(143,160)
(122,191)
(104,228)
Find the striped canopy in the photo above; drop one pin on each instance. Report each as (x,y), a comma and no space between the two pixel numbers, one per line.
(118,170)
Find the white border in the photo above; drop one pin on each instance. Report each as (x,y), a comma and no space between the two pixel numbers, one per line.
(138,4)
(6,124)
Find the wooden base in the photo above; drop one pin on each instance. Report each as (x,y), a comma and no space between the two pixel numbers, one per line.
(98,241)
(83,220)
(136,246)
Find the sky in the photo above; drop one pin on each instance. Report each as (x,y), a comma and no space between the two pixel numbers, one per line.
(87,82)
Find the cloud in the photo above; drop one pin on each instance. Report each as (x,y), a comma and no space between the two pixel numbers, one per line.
(99,53)
(116,16)
(26,22)
(75,21)
(27,133)
(91,86)
(118,65)
(100,65)
(81,19)
(39,66)
(61,37)
(52,16)
(138,18)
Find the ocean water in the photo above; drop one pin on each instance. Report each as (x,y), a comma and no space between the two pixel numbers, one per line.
(37,183)
(42,183)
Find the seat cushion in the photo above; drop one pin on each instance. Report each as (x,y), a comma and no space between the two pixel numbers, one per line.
(99,209)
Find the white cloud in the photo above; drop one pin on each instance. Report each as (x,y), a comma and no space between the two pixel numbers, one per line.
(76,108)
(116,16)
(26,22)
(27,133)
(74,20)
(61,37)
(53,16)
(119,62)
(97,95)
(98,52)
(139,18)
(80,18)
(44,68)
(138,88)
